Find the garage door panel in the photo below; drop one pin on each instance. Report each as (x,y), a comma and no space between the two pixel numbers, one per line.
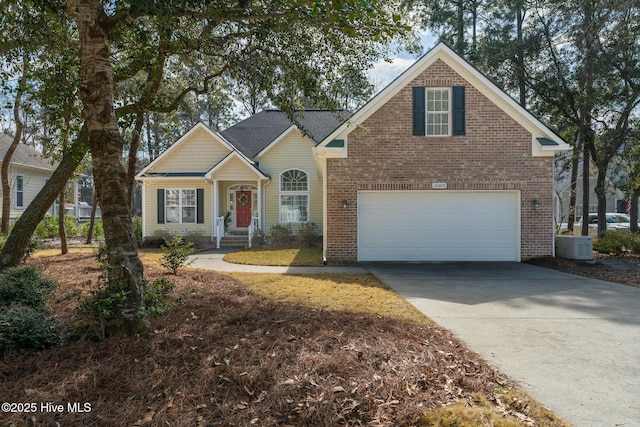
(438,226)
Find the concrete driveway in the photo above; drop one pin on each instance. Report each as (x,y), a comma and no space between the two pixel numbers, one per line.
(570,341)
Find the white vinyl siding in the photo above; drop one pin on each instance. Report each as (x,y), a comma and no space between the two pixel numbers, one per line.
(291,152)
(150,208)
(197,154)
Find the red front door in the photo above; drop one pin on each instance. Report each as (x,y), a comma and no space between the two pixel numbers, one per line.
(243,208)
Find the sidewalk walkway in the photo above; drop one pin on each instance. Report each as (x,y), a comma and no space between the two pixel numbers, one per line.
(212,260)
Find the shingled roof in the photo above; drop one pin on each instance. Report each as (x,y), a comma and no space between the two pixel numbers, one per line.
(254,134)
(24,155)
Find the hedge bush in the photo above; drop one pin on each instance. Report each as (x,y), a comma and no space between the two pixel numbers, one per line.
(24,324)
(26,286)
(618,242)
(27,328)
(48,227)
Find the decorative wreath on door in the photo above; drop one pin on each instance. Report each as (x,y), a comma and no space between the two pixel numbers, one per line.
(243,199)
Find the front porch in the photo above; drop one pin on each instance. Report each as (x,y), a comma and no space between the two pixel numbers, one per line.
(237,213)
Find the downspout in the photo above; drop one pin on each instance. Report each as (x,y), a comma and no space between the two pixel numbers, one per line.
(324,210)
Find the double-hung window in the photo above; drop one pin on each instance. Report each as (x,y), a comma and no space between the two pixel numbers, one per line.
(294,196)
(438,116)
(180,206)
(438,111)
(19,191)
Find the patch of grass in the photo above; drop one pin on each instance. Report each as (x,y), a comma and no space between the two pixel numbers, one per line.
(361,293)
(304,257)
(511,408)
(48,252)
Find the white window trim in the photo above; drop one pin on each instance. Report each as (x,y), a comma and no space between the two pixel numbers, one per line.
(449,111)
(20,177)
(293,193)
(180,205)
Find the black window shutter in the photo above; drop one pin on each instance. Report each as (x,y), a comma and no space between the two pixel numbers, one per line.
(160,205)
(200,205)
(419,111)
(458,110)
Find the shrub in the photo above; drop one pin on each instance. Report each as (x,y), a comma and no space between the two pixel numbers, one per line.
(101,255)
(3,240)
(613,242)
(280,235)
(71,226)
(157,239)
(104,305)
(633,244)
(156,296)
(197,237)
(48,228)
(25,286)
(31,248)
(308,235)
(98,230)
(137,227)
(259,238)
(24,327)
(176,252)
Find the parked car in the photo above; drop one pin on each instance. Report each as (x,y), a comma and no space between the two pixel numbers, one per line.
(615,221)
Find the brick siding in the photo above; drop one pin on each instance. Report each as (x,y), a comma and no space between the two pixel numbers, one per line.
(495,154)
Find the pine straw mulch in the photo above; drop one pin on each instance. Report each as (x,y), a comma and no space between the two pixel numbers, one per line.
(226,356)
(597,270)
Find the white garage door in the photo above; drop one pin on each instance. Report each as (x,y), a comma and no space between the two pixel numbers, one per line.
(438,226)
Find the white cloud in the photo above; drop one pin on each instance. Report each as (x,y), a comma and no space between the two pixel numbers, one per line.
(384,72)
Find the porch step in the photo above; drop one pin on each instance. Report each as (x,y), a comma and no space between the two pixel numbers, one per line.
(234,241)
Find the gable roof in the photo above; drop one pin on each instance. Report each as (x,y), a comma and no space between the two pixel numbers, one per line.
(550,140)
(216,136)
(243,159)
(24,155)
(255,133)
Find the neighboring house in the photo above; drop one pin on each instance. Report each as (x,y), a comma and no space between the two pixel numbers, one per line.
(28,173)
(616,198)
(439,166)
(260,172)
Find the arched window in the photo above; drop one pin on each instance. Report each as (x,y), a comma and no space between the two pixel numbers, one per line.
(294,196)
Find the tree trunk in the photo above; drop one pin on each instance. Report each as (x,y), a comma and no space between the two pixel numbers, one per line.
(586,162)
(520,73)
(110,176)
(92,221)
(18,241)
(602,201)
(573,188)
(6,161)
(460,44)
(133,155)
(633,213)
(61,231)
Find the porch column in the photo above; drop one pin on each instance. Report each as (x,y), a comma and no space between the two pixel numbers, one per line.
(214,208)
(259,185)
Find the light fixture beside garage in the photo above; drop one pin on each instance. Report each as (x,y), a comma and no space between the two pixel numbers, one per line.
(345,204)
(536,203)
